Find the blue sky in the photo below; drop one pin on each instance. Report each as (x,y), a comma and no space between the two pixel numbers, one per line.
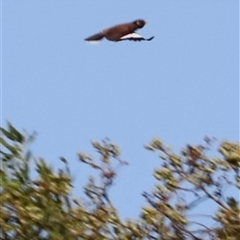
(179,87)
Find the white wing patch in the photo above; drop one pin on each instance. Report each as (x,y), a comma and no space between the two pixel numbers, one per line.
(132,36)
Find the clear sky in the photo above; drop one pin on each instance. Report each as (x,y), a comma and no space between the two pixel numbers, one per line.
(179,87)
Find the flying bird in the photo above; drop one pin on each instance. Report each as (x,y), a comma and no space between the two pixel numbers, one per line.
(120,32)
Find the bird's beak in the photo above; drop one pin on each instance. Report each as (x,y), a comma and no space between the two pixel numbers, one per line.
(146,22)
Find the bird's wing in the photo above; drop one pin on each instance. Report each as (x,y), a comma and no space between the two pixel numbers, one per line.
(95,38)
(134,37)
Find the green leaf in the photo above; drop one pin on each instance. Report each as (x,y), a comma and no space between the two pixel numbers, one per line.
(13,149)
(16,135)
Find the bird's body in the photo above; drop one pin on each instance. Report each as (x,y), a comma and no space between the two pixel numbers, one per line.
(120,32)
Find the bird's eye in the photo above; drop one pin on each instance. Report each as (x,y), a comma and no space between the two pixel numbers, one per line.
(140,24)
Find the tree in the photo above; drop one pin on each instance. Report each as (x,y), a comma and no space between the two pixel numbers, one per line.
(42,207)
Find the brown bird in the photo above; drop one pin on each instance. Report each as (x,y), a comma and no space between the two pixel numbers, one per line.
(120,32)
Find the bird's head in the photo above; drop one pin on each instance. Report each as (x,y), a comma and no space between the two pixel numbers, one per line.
(140,23)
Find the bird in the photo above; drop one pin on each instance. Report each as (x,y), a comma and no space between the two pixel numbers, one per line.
(121,32)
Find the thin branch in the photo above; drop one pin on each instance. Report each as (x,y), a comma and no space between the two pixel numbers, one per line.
(214,198)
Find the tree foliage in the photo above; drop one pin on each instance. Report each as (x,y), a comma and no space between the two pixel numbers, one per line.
(42,207)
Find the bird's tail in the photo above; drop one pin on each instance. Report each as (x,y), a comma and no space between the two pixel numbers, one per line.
(95,37)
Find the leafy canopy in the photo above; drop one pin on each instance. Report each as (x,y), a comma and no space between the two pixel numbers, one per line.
(43,207)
